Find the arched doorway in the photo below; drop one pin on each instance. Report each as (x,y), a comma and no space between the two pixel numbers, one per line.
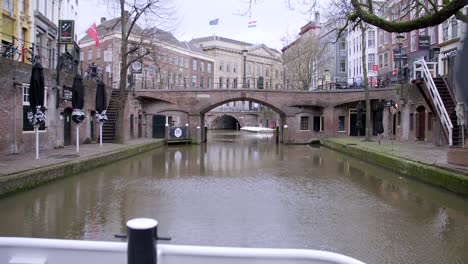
(421,123)
(67,126)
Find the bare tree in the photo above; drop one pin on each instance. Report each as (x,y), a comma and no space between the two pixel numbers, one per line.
(302,59)
(136,43)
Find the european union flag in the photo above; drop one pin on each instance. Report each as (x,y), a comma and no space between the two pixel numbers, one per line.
(214,22)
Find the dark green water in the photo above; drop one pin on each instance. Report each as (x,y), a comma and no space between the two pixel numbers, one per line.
(243,190)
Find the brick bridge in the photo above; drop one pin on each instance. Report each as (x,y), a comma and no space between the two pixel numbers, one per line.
(191,106)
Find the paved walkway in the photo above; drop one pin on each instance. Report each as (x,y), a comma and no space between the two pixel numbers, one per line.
(420,152)
(10,164)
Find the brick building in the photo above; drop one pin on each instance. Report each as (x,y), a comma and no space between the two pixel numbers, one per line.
(171,64)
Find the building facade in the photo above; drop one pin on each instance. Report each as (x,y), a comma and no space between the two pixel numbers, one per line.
(355,47)
(170,64)
(16,25)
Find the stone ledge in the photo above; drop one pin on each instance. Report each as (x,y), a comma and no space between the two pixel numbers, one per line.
(458,156)
(448,180)
(32,178)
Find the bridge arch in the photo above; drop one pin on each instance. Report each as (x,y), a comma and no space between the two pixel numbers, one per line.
(213,105)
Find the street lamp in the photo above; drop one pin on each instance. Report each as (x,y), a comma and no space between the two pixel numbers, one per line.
(400,45)
(244,54)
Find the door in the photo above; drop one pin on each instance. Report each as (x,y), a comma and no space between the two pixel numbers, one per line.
(353,131)
(131,126)
(67,127)
(140,126)
(421,119)
(159,126)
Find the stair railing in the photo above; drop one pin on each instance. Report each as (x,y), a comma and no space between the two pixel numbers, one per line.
(421,70)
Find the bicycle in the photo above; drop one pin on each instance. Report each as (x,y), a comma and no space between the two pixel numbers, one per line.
(11,52)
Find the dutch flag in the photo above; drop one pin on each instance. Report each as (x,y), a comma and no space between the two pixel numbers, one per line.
(252,23)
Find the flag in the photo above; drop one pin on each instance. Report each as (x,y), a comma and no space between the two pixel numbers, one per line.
(283,39)
(92,33)
(252,23)
(214,22)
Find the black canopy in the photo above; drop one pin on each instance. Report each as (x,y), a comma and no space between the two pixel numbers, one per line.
(78,92)
(36,86)
(78,99)
(101,97)
(379,108)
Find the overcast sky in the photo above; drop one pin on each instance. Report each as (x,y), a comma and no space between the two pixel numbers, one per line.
(274,20)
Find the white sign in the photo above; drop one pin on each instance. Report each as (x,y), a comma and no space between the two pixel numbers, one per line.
(107,56)
(178,132)
(203,96)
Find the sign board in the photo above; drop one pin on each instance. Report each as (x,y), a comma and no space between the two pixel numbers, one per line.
(424,42)
(375,67)
(137,67)
(67,93)
(66,31)
(178,132)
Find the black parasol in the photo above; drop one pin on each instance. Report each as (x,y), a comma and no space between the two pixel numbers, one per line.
(379,108)
(36,96)
(78,99)
(101,102)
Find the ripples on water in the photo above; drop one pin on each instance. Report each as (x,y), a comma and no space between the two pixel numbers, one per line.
(243,190)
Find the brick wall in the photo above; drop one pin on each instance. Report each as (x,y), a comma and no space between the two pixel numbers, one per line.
(12,137)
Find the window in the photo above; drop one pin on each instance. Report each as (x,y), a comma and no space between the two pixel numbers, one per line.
(194,65)
(8,6)
(386,37)
(176,60)
(413,40)
(445,30)
(341,124)
(304,125)
(227,82)
(385,59)
(381,38)
(454,27)
(234,83)
(370,61)
(220,85)
(432,35)
(221,66)
(98,53)
(228,67)
(201,82)
(208,67)
(194,81)
(234,69)
(342,44)
(342,65)
(202,66)
(371,39)
(267,72)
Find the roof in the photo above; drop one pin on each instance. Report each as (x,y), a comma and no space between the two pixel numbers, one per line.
(110,26)
(233,41)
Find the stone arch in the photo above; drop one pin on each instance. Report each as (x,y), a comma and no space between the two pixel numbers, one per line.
(206,108)
(225,121)
(421,123)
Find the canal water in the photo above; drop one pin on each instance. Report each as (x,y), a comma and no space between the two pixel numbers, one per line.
(243,190)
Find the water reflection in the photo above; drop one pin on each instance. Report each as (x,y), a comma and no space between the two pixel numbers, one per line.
(244,190)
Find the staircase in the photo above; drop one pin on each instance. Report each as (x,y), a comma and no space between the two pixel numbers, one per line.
(446,94)
(108,128)
(439,95)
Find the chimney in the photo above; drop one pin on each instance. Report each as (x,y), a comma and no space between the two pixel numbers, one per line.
(317,18)
(103,19)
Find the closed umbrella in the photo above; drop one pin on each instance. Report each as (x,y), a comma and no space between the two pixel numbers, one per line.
(379,108)
(36,100)
(101,107)
(359,108)
(77,103)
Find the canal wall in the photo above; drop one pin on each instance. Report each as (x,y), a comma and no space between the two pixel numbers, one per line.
(436,176)
(31,178)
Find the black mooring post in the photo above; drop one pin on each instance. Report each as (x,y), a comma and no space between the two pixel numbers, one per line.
(142,235)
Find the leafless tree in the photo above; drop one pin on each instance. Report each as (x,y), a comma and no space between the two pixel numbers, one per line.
(302,59)
(137,21)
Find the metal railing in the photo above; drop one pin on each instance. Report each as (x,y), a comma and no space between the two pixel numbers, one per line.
(421,70)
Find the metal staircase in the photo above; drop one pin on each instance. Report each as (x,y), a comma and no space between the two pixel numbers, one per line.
(108,128)
(442,98)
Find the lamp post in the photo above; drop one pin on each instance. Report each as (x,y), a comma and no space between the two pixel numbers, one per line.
(244,54)
(400,45)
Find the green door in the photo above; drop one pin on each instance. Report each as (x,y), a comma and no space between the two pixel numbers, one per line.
(159,126)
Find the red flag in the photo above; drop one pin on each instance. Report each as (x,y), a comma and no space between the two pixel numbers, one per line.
(92,33)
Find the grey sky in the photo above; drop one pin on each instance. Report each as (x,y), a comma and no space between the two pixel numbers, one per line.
(274,19)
